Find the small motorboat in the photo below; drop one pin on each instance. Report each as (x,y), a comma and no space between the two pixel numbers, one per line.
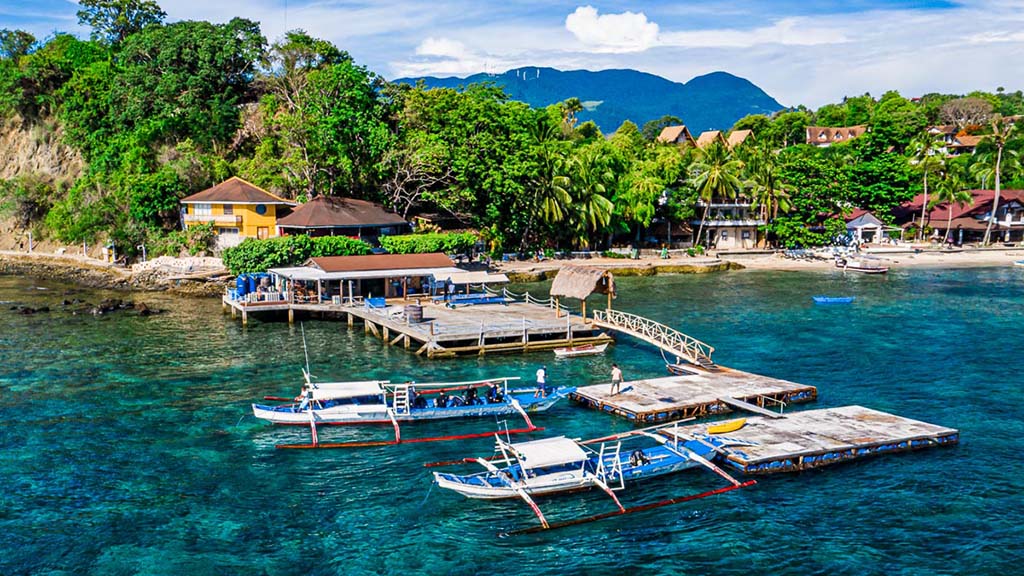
(726,427)
(862,264)
(583,350)
(1019,263)
(833,299)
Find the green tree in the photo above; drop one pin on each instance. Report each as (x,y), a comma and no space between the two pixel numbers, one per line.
(768,190)
(15,43)
(652,128)
(114,20)
(993,163)
(897,121)
(952,190)
(715,174)
(590,175)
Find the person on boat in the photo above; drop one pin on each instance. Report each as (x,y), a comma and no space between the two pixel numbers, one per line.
(616,379)
(542,384)
(471,397)
(638,458)
(493,396)
(442,400)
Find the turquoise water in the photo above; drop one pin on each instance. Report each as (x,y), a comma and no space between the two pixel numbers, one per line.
(127,447)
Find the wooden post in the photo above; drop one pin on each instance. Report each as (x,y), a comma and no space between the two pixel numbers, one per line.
(405,288)
(223,305)
(350,319)
(558,309)
(291,315)
(319,298)
(584,310)
(245,317)
(234,312)
(387,333)
(609,300)
(407,341)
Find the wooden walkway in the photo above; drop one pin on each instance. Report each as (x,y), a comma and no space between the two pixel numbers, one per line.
(815,438)
(699,394)
(670,340)
(445,332)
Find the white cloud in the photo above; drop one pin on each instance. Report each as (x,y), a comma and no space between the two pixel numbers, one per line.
(442,47)
(785,32)
(625,32)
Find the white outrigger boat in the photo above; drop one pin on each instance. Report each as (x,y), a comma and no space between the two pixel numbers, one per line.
(559,465)
(864,264)
(381,402)
(584,350)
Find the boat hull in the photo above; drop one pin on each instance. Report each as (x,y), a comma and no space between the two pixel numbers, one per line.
(574,352)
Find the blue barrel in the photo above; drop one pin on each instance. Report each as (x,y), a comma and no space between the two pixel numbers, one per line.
(242,285)
(252,283)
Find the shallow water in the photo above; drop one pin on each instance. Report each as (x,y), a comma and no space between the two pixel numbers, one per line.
(127,445)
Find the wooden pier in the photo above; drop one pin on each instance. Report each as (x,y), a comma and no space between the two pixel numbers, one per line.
(701,393)
(444,332)
(815,438)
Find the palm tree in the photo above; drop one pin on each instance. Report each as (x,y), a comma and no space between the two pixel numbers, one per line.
(1000,134)
(715,174)
(924,152)
(953,190)
(769,192)
(588,177)
(551,198)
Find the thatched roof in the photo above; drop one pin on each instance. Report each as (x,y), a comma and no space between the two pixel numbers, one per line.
(580,281)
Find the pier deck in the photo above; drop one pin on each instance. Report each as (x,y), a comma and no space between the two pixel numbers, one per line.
(816,438)
(694,395)
(445,332)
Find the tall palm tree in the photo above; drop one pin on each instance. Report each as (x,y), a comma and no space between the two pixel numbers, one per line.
(589,178)
(551,197)
(715,174)
(925,154)
(1000,134)
(953,190)
(769,191)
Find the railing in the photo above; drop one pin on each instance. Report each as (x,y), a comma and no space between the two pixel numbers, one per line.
(229,219)
(666,338)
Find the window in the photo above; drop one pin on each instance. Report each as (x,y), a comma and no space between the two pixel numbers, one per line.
(746,234)
(229,209)
(203,209)
(227,231)
(725,235)
(261,209)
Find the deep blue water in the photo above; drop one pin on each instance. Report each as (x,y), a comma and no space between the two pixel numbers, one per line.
(126,444)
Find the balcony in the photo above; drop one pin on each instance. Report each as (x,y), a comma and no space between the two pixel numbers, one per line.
(218,220)
(721,223)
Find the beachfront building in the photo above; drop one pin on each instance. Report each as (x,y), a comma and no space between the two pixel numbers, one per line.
(332,216)
(676,135)
(864,227)
(708,136)
(824,136)
(969,220)
(341,278)
(731,223)
(237,209)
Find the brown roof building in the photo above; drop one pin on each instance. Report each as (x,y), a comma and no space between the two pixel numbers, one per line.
(331,216)
(236,209)
(737,137)
(822,136)
(234,190)
(676,135)
(708,136)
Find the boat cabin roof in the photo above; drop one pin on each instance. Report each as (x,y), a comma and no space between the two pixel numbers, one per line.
(548,452)
(335,390)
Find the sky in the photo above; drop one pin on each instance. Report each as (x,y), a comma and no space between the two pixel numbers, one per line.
(800,52)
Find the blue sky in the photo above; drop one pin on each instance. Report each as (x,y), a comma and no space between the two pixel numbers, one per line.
(801,52)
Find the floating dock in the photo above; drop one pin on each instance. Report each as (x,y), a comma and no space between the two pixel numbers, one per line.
(442,332)
(815,438)
(698,394)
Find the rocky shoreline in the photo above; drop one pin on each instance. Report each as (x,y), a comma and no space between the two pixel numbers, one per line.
(545,271)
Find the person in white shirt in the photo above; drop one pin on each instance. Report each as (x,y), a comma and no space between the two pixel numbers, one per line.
(542,385)
(616,379)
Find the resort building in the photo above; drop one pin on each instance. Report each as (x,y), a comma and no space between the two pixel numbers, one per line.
(730,223)
(864,227)
(708,136)
(739,137)
(963,144)
(676,135)
(969,221)
(237,209)
(824,136)
(332,216)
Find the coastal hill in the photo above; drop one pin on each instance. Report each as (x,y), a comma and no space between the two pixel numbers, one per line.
(713,101)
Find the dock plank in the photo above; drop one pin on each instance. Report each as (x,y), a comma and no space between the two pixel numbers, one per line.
(691,395)
(815,438)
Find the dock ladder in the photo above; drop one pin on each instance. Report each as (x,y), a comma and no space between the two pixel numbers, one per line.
(400,400)
(606,474)
(664,337)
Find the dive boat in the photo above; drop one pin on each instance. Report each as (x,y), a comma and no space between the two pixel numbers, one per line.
(833,299)
(380,402)
(559,465)
(584,350)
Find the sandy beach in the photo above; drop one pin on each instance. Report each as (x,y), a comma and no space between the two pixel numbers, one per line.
(967,258)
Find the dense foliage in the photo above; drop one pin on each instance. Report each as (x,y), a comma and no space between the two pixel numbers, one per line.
(159,111)
(254,255)
(453,243)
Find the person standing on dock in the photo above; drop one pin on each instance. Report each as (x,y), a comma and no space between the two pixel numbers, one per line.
(542,382)
(616,379)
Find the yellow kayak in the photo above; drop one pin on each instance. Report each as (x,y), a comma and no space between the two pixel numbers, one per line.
(724,427)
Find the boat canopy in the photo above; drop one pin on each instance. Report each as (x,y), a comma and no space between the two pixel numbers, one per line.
(335,390)
(548,452)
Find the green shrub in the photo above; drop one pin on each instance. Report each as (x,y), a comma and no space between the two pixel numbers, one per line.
(611,254)
(254,255)
(451,243)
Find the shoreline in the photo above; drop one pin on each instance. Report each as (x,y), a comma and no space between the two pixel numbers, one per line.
(966,258)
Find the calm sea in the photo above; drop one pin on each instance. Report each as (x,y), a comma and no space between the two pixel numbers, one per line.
(127,445)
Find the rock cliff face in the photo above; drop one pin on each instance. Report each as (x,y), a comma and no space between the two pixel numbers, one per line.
(36,149)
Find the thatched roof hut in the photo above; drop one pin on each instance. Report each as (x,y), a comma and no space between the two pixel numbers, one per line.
(582,281)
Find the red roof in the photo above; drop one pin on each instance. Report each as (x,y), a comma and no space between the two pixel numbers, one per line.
(234,190)
(332,212)
(381,262)
(940,212)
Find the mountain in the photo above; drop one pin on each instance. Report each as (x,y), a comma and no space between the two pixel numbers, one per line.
(710,102)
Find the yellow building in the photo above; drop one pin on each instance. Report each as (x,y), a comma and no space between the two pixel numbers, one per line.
(237,209)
